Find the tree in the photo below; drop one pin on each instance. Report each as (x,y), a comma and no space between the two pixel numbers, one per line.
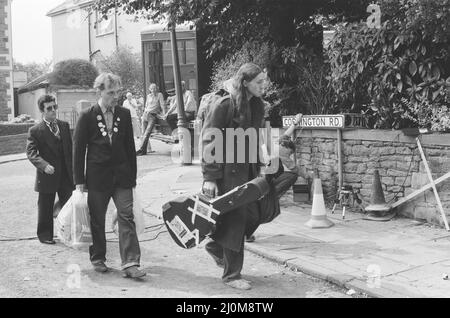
(232,23)
(74,72)
(33,69)
(284,25)
(399,74)
(126,64)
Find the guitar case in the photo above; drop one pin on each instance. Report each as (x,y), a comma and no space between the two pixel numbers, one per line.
(189,220)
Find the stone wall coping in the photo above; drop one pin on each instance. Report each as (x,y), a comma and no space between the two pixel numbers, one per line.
(8,137)
(435,139)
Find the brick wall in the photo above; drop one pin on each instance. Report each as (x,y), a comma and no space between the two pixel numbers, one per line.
(14,129)
(5,61)
(13,144)
(394,155)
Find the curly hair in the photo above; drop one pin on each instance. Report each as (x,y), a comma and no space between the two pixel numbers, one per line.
(45,99)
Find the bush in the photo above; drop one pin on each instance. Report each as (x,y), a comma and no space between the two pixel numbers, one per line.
(261,55)
(74,72)
(397,75)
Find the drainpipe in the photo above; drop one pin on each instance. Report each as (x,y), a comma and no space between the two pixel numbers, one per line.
(115,25)
(89,37)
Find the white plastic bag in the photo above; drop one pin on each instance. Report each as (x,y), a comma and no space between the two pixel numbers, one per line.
(138,216)
(81,222)
(72,226)
(63,223)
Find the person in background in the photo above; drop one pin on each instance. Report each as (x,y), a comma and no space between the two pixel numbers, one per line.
(190,107)
(154,107)
(104,160)
(286,177)
(131,104)
(49,149)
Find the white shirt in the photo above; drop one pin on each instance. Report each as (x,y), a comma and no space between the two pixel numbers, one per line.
(131,105)
(189,102)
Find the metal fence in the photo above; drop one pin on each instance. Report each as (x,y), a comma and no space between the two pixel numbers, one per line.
(71,116)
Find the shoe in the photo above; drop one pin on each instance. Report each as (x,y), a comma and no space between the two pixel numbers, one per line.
(133,272)
(241,284)
(100,267)
(250,239)
(50,242)
(140,153)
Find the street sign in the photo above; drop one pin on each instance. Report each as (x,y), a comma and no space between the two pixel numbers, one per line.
(317,121)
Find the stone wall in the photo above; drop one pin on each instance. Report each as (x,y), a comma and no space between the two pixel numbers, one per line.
(394,155)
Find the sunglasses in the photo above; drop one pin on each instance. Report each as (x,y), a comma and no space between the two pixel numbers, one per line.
(50,108)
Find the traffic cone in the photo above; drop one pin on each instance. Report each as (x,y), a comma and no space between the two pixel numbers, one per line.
(378,209)
(318,212)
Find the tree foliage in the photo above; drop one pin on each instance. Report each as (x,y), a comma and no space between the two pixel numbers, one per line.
(74,72)
(398,74)
(128,65)
(232,23)
(33,69)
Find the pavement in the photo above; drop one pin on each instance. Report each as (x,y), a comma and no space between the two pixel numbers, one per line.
(401,258)
(11,158)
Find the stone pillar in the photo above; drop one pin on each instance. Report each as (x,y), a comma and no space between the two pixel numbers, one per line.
(82,104)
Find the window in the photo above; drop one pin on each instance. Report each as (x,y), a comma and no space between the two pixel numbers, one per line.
(104,24)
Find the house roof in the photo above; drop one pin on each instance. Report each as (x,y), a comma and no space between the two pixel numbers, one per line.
(67,6)
(38,82)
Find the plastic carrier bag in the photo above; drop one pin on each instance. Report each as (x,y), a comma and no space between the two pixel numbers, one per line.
(137,214)
(73,222)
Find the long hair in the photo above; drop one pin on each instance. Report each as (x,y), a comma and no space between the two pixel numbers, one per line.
(251,112)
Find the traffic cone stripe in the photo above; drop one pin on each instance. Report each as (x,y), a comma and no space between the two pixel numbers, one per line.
(318,211)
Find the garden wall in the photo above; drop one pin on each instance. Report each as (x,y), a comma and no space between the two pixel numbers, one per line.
(395,155)
(13,138)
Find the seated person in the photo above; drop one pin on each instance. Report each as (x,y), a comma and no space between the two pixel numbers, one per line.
(284,179)
(190,107)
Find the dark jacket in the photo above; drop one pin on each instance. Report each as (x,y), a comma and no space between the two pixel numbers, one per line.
(43,149)
(108,165)
(232,226)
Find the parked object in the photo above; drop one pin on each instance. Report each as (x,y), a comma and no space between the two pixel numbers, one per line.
(318,212)
(378,210)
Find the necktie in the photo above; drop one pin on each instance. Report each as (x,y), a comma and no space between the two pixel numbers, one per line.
(54,127)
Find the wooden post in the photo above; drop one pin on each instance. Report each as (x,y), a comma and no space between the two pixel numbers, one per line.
(340,160)
(433,185)
(421,190)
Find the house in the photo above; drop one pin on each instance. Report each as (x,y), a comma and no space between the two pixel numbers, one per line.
(6,66)
(78,33)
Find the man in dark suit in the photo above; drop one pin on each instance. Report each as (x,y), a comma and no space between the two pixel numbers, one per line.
(49,148)
(104,145)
